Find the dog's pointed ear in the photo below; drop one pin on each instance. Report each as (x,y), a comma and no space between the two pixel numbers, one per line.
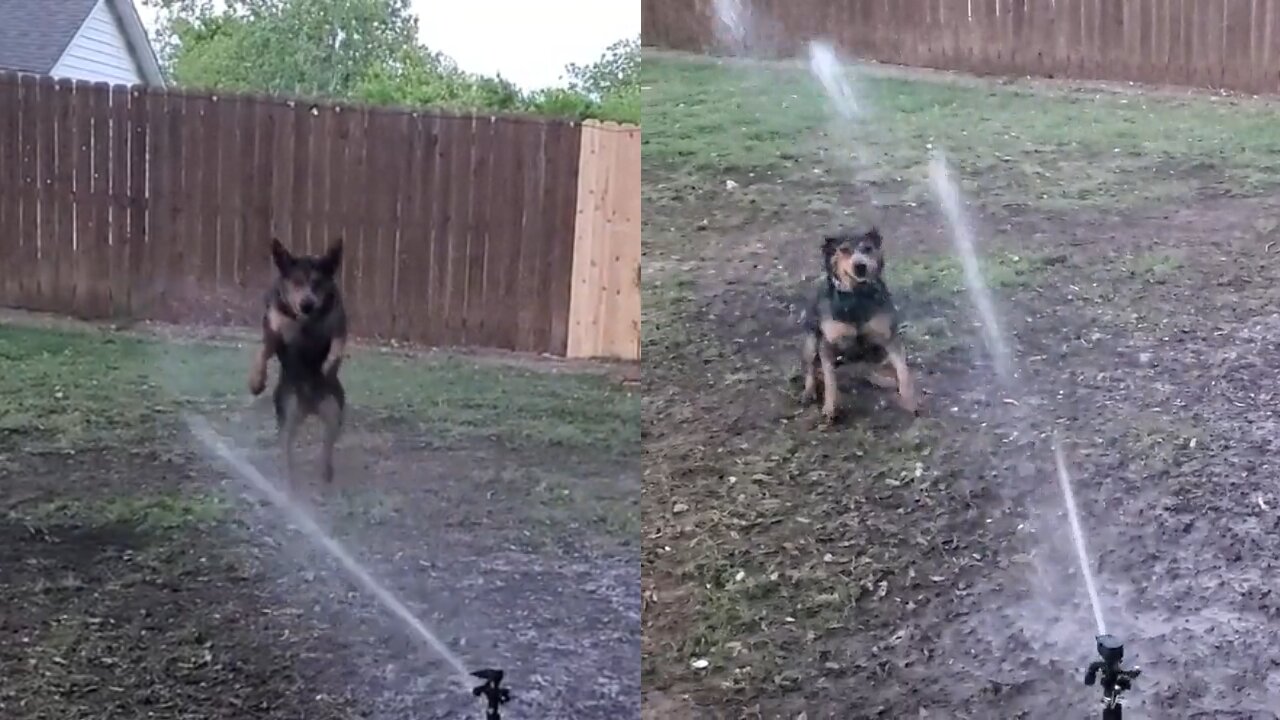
(829,245)
(332,259)
(281,256)
(874,236)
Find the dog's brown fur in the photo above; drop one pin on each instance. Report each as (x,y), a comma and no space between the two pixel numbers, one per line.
(304,326)
(853,318)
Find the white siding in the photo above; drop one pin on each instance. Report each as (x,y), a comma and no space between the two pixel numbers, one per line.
(99,51)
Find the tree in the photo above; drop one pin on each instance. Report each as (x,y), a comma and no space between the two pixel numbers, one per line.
(617,72)
(368,51)
(304,47)
(423,78)
(612,82)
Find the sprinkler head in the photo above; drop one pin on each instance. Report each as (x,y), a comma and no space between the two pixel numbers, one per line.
(1114,679)
(494,695)
(1111,649)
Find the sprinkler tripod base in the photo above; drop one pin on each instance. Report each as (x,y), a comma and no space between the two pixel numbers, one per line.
(494,695)
(1114,679)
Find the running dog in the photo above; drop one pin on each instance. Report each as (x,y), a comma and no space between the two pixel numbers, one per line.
(304,325)
(853,319)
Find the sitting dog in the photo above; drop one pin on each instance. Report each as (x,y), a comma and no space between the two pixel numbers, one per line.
(304,326)
(852,318)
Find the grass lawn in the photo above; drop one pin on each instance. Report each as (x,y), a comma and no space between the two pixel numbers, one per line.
(708,121)
(71,389)
(499,502)
(792,569)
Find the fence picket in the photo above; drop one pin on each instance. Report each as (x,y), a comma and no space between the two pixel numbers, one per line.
(1227,44)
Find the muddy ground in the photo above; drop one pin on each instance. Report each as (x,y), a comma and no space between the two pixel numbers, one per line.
(144,580)
(896,567)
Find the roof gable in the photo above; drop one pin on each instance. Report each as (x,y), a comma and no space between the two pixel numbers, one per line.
(35,34)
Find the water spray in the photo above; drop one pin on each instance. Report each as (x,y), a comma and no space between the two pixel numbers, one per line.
(1114,679)
(492,691)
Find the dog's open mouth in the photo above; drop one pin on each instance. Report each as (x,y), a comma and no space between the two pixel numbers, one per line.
(860,270)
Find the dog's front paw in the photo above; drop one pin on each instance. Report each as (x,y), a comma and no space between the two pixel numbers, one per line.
(257,382)
(330,367)
(910,403)
(809,396)
(830,414)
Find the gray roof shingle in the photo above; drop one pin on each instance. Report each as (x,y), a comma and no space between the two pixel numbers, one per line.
(33,33)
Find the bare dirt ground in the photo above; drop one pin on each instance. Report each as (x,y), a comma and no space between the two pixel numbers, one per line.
(891,567)
(140,579)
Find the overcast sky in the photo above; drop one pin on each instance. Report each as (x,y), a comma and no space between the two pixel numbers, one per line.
(526,41)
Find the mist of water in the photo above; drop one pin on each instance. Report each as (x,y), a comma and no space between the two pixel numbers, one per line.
(1069,497)
(732,26)
(948,195)
(826,66)
(218,447)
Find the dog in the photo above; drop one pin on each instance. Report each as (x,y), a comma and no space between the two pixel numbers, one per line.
(853,319)
(304,326)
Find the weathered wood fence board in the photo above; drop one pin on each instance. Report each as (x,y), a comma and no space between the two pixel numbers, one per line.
(124,202)
(1224,44)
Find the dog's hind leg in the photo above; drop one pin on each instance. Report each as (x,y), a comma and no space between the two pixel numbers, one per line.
(875,374)
(331,409)
(288,420)
(809,366)
(331,413)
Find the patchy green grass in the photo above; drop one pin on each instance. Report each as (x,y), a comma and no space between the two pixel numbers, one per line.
(555,505)
(929,337)
(149,512)
(561,507)
(941,276)
(71,389)
(707,122)
(664,300)
(1157,265)
(746,585)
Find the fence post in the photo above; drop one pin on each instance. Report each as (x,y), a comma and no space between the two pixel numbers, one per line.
(604,304)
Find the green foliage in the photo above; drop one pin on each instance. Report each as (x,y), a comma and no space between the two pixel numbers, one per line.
(366,51)
(612,83)
(304,47)
(418,78)
(616,72)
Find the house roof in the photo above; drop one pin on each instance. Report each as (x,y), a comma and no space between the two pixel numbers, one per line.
(35,33)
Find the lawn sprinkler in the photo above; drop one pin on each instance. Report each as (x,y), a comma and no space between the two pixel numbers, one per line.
(1114,679)
(494,695)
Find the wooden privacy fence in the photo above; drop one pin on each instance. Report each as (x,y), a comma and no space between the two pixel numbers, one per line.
(459,229)
(605,299)
(1229,44)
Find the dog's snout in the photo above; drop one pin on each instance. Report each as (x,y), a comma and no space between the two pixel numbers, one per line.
(860,269)
(307,305)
